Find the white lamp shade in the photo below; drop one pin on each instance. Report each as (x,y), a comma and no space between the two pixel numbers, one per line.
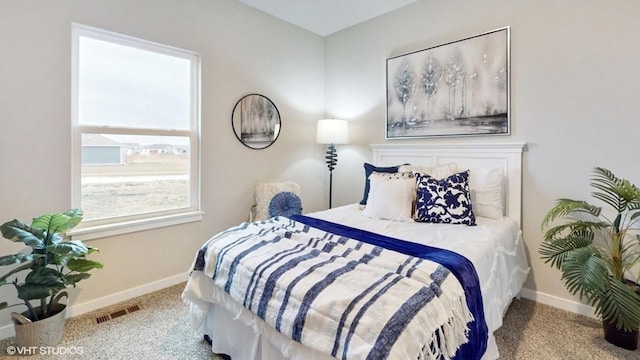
(332,131)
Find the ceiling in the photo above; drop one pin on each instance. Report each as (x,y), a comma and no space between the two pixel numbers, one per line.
(324,17)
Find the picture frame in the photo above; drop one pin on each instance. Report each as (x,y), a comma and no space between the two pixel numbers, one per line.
(460,88)
(256,122)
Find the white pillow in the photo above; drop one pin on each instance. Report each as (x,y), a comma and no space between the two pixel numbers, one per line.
(390,197)
(436,171)
(486,185)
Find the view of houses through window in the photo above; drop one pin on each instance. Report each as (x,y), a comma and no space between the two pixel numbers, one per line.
(125,175)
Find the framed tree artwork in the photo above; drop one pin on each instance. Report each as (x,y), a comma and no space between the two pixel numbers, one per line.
(256,121)
(455,89)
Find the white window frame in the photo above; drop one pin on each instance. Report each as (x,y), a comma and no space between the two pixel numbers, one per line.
(88,230)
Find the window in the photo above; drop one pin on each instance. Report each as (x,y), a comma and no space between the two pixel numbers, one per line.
(135,133)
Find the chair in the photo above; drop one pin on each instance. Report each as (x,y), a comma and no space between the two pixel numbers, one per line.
(275,199)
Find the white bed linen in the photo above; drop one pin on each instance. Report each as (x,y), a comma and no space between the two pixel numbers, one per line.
(495,248)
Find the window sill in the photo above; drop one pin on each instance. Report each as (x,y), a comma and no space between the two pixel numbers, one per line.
(102,231)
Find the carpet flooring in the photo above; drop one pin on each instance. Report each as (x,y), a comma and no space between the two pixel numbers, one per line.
(160,330)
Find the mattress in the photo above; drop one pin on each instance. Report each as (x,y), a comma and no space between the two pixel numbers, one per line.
(494,247)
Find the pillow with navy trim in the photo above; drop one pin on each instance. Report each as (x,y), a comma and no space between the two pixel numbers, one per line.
(444,201)
(390,196)
(437,171)
(368,169)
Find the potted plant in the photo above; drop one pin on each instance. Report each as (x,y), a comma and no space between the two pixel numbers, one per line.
(595,249)
(51,266)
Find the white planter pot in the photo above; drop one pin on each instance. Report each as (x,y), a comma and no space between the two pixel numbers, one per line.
(45,332)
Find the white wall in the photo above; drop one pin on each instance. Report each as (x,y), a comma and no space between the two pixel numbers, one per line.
(574,97)
(242,51)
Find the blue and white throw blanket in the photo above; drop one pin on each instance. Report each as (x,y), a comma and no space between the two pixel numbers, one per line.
(348,292)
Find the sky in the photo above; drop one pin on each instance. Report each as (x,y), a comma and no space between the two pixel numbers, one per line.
(125,86)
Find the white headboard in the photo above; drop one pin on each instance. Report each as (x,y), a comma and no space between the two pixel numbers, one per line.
(507,155)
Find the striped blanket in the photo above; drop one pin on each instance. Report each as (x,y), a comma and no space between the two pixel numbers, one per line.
(341,296)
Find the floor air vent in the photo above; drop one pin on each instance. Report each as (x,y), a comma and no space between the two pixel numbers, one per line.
(128,310)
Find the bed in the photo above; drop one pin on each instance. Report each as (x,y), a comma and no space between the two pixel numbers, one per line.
(468,274)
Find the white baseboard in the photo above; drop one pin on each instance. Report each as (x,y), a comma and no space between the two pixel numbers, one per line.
(96,304)
(558,302)
(83,308)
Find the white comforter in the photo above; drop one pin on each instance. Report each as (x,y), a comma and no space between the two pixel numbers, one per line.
(494,247)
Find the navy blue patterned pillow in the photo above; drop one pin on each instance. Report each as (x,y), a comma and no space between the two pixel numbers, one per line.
(444,201)
(368,169)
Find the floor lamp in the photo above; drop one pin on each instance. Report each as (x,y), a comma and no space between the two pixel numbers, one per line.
(331,132)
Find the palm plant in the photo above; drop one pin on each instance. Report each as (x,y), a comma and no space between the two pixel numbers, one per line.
(595,251)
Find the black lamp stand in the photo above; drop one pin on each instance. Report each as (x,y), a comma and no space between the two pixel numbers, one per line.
(332,160)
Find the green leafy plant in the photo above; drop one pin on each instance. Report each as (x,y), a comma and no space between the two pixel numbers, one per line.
(595,250)
(53,263)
